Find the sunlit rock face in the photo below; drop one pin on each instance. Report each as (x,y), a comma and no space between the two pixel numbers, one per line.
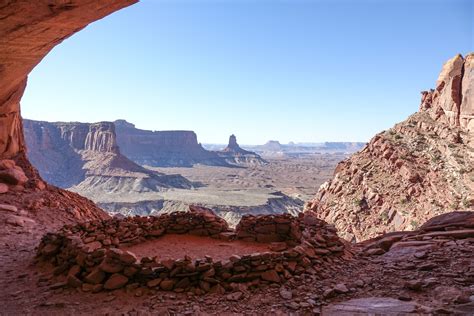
(163,148)
(86,156)
(451,102)
(28,31)
(58,149)
(420,168)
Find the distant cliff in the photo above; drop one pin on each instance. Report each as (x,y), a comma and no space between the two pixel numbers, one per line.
(90,157)
(89,136)
(163,148)
(52,154)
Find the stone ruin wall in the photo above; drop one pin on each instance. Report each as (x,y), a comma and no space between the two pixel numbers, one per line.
(90,258)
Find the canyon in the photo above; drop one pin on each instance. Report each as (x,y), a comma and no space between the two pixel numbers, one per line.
(57,248)
(84,156)
(87,158)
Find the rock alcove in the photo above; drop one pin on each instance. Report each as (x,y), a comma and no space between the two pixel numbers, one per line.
(94,255)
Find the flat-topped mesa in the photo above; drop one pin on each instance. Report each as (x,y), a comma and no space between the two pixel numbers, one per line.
(273,145)
(81,154)
(163,148)
(452,101)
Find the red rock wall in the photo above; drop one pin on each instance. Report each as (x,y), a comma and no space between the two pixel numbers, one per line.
(451,102)
(28,31)
(419,168)
(89,136)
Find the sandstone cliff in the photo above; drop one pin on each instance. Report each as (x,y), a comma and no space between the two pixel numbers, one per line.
(163,148)
(28,31)
(235,155)
(420,168)
(58,162)
(86,157)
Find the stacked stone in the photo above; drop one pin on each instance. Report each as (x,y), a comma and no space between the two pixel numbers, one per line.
(134,230)
(268,228)
(88,253)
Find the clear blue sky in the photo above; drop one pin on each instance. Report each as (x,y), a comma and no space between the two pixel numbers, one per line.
(286,70)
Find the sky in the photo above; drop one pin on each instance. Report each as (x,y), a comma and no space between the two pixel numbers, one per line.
(303,71)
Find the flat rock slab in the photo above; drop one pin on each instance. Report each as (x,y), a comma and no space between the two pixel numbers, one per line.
(376,305)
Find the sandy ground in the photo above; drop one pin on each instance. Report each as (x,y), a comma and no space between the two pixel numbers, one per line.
(173,246)
(296,176)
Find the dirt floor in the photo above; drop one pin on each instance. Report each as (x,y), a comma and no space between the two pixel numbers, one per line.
(29,290)
(173,246)
(416,279)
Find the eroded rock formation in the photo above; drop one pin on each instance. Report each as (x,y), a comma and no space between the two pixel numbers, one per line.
(420,168)
(234,154)
(28,31)
(451,102)
(432,268)
(86,156)
(163,148)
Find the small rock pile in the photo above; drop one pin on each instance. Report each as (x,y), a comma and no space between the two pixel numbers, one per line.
(90,257)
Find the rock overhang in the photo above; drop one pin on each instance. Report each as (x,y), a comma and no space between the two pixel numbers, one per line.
(29,30)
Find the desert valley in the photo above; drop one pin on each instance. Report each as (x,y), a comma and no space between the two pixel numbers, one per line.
(171,170)
(107,218)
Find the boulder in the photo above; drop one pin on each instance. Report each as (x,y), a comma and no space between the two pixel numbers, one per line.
(110,266)
(128,258)
(14,176)
(153,283)
(3,188)
(167,285)
(96,276)
(116,281)
(271,276)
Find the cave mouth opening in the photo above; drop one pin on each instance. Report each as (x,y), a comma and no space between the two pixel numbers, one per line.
(93,160)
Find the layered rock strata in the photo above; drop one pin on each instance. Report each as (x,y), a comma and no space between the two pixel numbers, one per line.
(163,148)
(418,169)
(86,156)
(28,31)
